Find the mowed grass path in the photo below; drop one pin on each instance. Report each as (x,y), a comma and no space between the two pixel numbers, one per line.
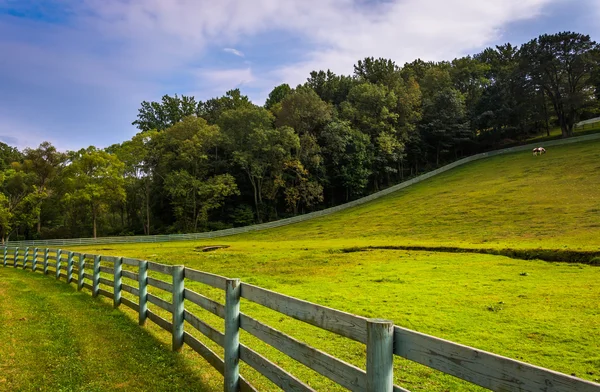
(544,313)
(53,338)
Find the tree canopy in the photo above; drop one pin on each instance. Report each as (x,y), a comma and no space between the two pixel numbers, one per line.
(226,161)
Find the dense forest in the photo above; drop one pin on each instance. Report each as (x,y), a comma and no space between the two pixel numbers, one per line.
(227,162)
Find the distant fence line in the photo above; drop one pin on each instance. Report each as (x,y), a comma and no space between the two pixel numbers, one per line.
(113,277)
(298,218)
(592,122)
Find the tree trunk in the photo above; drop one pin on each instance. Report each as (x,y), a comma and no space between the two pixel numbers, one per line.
(39,221)
(147,206)
(94,215)
(258,217)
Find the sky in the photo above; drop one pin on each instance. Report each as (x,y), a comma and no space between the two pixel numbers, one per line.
(74,72)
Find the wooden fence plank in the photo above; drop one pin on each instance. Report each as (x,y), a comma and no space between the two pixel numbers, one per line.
(107,270)
(400,389)
(342,323)
(96,276)
(143,291)
(153,299)
(107,282)
(277,375)
(80,272)
(105,293)
(161,322)
(162,268)
(479,367)
(118,282)
(232,335)
(213,359)
(88,286)
(380,355)
(69,267)
(161,284)
(109,259)
(130,289)
(178,310)
(204,351)
(130,304)
(213,280)
(345,374)
(206,303)
(131,262)
(130,275)
(208,331)
(58,263)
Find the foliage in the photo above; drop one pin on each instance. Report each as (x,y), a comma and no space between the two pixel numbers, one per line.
(327,141)
(94,179)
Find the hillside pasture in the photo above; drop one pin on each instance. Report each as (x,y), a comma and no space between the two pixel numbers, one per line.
(539,312)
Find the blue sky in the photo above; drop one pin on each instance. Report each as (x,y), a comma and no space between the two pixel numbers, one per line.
(74,72)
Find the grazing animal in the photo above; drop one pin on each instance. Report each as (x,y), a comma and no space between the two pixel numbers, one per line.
(539,151)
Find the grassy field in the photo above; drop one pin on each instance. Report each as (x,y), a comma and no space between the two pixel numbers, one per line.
(556,132)
(544,313)
(53,338)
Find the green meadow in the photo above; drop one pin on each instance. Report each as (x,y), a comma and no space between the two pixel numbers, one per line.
(544,313)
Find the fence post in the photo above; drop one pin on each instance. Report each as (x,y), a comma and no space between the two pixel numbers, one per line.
(232,335)
(34,262)
(143,291)
(380,355)
(25,257)
(58,255)
(46,261)
(118,268)
(16,257)
(81,267)
(178,287)
(96,276)
(5,254)
(70,267)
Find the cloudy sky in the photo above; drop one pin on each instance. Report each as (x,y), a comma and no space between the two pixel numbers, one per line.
(74,72)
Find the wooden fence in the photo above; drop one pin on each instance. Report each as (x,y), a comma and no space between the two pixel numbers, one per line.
(383,340)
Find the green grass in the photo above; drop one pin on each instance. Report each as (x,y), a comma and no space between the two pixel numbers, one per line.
(556,132)
(53,338)
(543,313)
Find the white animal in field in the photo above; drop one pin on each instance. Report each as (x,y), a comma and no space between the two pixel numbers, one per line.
(539,151)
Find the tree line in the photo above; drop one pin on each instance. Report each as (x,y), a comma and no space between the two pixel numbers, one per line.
(227,162)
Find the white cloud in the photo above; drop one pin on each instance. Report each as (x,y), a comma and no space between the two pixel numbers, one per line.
(234,52)
(139,50)
(341,31)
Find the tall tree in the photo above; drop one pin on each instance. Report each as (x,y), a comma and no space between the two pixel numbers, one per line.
(257,147)
(562,65)
(161,115)
(94,178)
(44,162)
(181,158)
(136,155)
(212,109)
(277,95)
